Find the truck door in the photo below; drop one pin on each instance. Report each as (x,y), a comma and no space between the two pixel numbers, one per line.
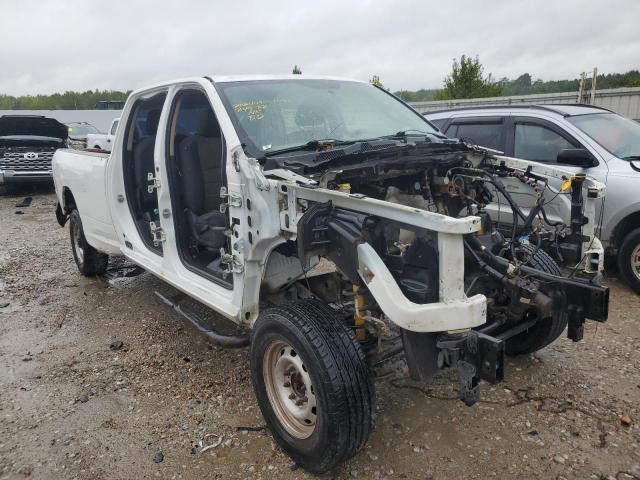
(190,162)
(139,173)
(112,133)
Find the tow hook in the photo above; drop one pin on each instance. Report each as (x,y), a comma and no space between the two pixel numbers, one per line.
(477,357)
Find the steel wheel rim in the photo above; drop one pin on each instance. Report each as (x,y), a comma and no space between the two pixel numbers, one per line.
(635,261)
(289,389)
(76,244)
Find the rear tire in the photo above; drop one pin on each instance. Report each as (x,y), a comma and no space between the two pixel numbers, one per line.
(89,261)
(312,383)
(546,330)
(629,259)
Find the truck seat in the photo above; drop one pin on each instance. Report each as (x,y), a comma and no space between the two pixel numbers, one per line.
(200,165)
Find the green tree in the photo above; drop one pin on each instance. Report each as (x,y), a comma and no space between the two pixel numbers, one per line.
(467,80)
(297,70)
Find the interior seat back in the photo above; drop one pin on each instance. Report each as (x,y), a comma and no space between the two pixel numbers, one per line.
(200,165)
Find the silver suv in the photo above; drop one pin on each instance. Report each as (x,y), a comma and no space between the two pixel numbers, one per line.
(608,146)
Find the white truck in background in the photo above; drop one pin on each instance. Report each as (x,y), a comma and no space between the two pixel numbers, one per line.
(232,189)
(103,141)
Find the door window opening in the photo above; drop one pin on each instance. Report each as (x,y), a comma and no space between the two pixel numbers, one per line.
(138,163)
(195,163)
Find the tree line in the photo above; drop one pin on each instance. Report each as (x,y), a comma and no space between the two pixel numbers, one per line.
(466,80)
(61,101)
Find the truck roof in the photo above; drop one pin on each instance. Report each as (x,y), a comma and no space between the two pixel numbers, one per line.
(251,78)
(239,78)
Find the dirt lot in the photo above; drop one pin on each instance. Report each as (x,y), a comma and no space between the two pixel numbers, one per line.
(72,406)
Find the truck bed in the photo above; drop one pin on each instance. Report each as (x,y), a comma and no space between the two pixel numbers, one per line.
(80,182)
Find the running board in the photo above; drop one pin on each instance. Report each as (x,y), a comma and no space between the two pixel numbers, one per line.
(226,341)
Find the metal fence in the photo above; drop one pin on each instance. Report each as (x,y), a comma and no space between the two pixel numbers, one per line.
(625,101)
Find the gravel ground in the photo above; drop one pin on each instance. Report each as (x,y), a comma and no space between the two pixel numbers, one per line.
(75,403)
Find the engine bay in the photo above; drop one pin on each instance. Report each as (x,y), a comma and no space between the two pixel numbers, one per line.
(527,270)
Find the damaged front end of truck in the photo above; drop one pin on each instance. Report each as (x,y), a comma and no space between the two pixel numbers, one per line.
(420,269)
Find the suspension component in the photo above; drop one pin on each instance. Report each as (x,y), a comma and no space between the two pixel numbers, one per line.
(359,316)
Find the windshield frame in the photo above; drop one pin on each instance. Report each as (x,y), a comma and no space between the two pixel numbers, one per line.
(256,152)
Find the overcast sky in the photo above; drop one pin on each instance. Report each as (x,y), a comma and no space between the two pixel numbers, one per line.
(55,45)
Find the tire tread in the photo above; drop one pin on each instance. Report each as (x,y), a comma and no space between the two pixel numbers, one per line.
(350,384)
(547,330)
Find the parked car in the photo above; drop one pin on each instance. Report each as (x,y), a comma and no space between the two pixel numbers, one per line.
(78,132)
(27,145)
(608,143)
(103,141)
(232,189)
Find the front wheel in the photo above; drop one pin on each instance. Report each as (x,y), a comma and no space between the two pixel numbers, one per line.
(546,330)
(629,259)
(312,383)
(89,261)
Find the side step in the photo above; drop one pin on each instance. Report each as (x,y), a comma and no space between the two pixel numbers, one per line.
(226,341)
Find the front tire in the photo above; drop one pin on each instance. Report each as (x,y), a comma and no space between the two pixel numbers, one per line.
(546,330)
(629,260)
(312,383)
(89,261)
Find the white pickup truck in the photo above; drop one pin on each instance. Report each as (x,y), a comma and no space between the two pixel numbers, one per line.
(103,141)
(338,230)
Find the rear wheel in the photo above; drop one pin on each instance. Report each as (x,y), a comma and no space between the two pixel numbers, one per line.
(546,330)
(629,259)
(312,383)
(89,261)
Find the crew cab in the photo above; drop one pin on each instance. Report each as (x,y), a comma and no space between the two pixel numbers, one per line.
(337,229)
(103,141)
(605,145)
(27,145)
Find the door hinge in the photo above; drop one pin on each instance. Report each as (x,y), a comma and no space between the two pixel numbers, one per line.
(153,182)
(157,234)
(232,262)
(233,199)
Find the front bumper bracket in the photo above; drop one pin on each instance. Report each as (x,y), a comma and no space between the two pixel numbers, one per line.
(477,357)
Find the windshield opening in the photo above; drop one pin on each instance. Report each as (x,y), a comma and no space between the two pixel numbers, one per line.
(272,115)
(81,130)
(618,135)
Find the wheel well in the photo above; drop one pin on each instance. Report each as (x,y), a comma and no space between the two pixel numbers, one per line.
(630,222)
(67,200)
